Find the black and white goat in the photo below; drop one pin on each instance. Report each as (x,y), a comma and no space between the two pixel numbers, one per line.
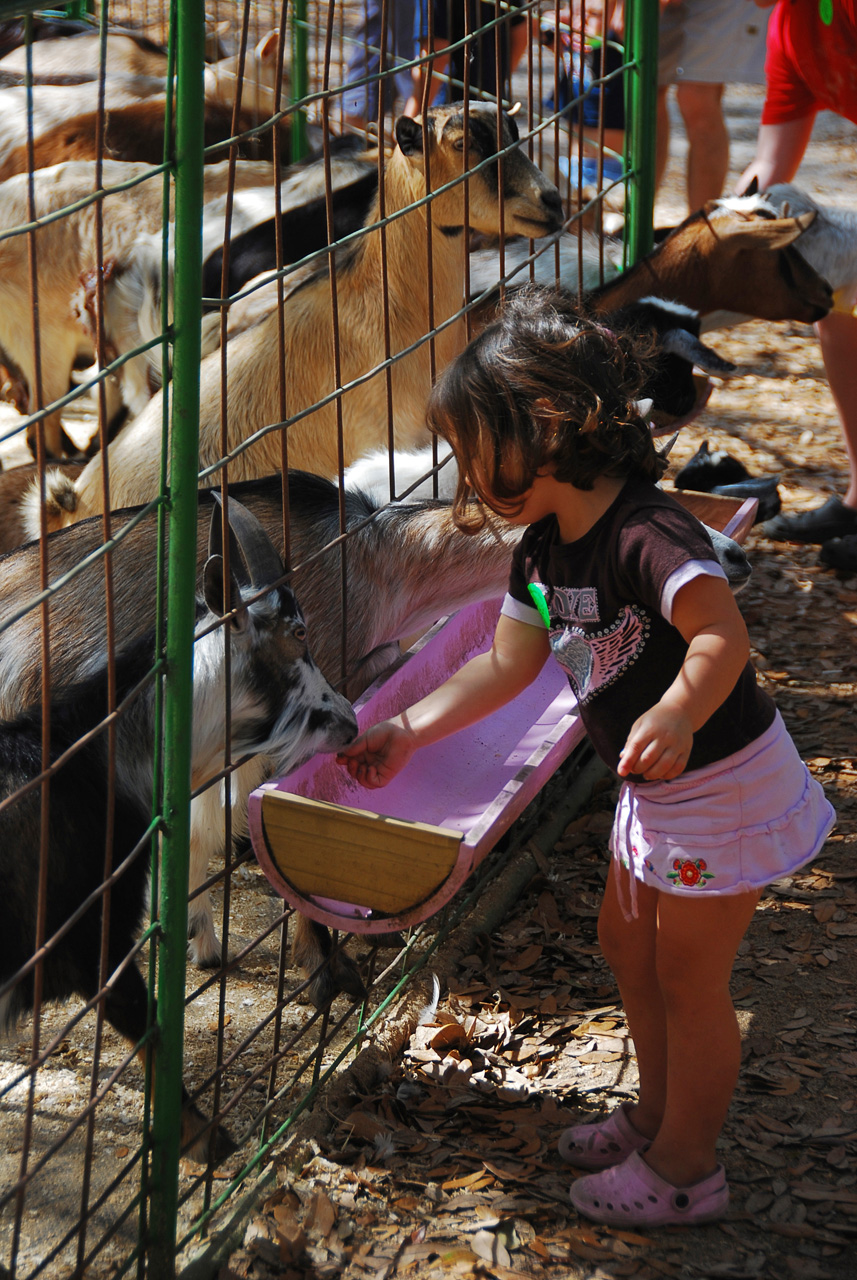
(407,565)
(280,705)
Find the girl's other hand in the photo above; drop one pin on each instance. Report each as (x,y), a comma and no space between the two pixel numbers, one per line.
(378,755)
(658,745)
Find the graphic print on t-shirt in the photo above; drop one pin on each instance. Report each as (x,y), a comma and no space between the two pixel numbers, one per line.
(593,659)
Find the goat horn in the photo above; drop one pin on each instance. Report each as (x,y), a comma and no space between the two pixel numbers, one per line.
(666,449)
(513,111)
(255,551)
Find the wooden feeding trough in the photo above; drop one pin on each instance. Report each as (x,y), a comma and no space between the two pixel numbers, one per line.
(328,851)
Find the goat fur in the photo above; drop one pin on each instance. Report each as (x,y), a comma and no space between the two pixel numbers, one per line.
(279,703)
(67,251)
(406,566)
(261,391)
(727,265)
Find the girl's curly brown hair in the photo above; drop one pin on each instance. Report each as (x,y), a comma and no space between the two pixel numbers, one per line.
(543,387)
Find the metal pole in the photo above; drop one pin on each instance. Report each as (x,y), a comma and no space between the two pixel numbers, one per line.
(300,78)
(181,590)
(641,92)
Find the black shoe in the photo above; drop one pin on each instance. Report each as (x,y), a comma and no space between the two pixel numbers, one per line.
(840,553)
(832,520)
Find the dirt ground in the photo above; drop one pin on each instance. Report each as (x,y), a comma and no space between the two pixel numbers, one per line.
(450,1166)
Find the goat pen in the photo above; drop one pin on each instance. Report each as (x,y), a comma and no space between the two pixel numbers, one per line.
(122,279)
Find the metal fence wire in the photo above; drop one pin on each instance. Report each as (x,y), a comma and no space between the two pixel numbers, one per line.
(220,272)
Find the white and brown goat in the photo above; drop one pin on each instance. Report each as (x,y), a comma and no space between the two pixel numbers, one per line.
(510,192)
(727,265)
(281,705)
(729,261)
(66,252)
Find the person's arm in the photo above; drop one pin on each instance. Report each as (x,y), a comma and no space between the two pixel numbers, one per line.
(660,741)
(483,684)
(779,151)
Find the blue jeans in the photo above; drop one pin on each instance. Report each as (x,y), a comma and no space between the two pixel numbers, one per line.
(365,59)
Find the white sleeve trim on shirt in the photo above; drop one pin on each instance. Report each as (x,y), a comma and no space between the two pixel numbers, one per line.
(682,575)
(521,612)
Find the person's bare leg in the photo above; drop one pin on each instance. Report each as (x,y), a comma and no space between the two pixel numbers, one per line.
(837,334)
(437,67)
(708,141)
(779,151)
(662,135)
(697,940)
(629,947)
(520,34)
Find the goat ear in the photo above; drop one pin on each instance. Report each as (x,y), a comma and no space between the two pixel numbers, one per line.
(409,135)
(752,189)
(764,233)
(512,122)
(268,47)
(213,592)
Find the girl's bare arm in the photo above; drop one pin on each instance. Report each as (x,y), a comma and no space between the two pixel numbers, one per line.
(480,687)
(660,741)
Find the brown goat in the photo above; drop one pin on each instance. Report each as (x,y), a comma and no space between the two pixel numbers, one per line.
(136,132)
(712,263)
(66,251)
(531,207)
(126,55)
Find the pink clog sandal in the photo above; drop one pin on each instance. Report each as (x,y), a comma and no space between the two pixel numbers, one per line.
(633,1195)
(602,1144)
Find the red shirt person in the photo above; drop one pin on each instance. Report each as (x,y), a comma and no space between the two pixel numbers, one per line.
(811,65)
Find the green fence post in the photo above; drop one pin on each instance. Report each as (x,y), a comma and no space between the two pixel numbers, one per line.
(181,592)
(299,78)
(80,9)
(641,51)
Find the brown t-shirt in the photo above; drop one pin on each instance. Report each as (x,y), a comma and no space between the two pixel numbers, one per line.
(606,595)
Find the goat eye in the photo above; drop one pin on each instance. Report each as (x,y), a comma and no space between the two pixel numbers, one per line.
(458,145)
(300,633)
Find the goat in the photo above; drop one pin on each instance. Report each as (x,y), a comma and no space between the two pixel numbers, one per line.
(570,249)
(138,132)
(415,478)
(722,261)
(133,58)
(52,103)
(132,282)
(407,565)
(674,330)
(67,250)
(80,54)
(15,32)
(14,484)
(531,207)
(829,243)
(280,705)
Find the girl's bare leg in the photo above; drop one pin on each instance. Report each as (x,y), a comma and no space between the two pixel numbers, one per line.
(630,948)
(673,964)
(697,940)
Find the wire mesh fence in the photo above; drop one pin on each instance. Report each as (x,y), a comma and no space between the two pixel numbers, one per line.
(255,324)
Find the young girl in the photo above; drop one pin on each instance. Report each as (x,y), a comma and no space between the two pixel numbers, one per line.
(621,584)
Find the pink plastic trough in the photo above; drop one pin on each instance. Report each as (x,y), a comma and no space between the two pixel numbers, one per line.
(415,842)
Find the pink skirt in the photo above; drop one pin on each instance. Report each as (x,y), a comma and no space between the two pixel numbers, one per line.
(730,827)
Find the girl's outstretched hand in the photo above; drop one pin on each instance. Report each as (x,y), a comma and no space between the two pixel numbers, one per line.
(377,755)
(658,745)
